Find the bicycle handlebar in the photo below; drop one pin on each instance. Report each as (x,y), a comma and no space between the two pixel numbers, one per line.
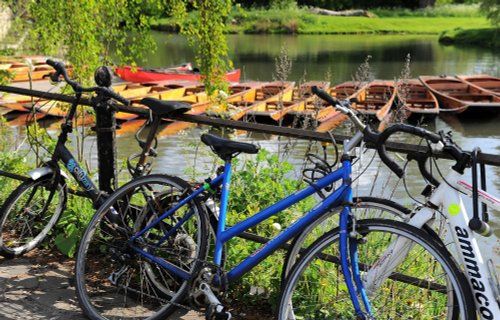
(61,71)
(434,138)
(444,141)
(325,96)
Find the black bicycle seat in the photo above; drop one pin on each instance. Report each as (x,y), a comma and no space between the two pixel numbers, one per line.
(227,149)
(164,107)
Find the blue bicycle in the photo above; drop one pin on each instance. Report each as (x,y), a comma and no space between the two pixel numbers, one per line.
(157,254)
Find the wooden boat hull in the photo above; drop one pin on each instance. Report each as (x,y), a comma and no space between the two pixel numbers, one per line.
(135,74)
(458,96)
(276,110)
(416,99)
(331,121)
(485,82)
(304,91)
(264,93)
(346,90)
(375,99)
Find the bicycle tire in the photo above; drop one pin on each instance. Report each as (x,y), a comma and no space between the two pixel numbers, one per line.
(447,289)
(29,213)
(113,281)
(371,207)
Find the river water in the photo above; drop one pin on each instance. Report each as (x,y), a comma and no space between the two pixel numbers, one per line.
(335,58)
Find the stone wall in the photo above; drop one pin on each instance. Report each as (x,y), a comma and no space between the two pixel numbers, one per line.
(5,19)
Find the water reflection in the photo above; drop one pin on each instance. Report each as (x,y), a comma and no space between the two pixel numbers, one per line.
(316,56)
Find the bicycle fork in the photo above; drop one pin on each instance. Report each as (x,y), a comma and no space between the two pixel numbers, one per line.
(348,248)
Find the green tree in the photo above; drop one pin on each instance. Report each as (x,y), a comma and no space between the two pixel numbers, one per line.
(206,33)
(492,10)
(84,32)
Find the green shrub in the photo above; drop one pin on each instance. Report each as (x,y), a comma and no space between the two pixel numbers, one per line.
(257,184)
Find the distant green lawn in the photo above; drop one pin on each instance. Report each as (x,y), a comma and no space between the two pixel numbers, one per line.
(303,22)
(427,25)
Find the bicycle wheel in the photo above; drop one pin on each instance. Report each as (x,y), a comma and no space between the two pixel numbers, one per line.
(426,284)
(29,213)
(362,208)
(114,280)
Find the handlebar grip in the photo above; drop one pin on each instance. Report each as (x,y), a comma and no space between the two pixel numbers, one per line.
(401,128)
(324,96)
(480,227)
(58,67)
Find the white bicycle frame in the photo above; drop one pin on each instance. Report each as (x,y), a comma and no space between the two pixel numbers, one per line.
(468,254)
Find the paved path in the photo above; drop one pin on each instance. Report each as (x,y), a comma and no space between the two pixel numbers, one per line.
(39,288)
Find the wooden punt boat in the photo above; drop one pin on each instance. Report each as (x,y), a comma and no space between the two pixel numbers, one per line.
(302,98)
(237,94)
(181,91)
(236,109)
(136,74)
(5,110)
(17,102)
(312,112)
(269,92)
(38,73)
(37,70)
(129,127)
(23,119)
(330,121)
(375,99)
(416,99)
(274,111)
(346,90)
(304,91)
(458,96)
(483,81)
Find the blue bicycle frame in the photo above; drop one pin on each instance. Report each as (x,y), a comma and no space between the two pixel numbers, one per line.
(341,196)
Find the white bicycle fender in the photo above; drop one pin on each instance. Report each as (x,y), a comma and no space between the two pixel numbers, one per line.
(38,173)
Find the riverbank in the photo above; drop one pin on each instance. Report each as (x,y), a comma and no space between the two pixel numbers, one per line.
(305,21)
(483,37)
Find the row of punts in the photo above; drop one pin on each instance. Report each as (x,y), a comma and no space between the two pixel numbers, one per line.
(287,104)
(28,68)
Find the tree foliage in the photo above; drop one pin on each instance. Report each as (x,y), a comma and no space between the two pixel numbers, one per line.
(207,37)
(492,10)
(87,32)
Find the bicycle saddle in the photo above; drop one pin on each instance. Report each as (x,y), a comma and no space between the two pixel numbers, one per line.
(227,149)
(163,107)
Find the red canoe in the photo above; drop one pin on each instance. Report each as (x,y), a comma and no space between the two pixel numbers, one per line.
(136,74)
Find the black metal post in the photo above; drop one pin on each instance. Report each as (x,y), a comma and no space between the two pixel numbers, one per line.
(106,147)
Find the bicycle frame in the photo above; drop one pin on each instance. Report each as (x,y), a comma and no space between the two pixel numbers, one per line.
(341,196)
(62,153)
(468,253)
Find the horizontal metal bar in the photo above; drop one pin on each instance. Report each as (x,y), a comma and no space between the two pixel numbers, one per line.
(489,159)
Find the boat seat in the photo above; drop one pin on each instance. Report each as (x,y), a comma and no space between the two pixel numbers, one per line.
(419,101)
(165,107)
(227,149)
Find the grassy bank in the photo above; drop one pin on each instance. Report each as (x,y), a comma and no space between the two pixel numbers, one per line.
(484,37)
(302,21)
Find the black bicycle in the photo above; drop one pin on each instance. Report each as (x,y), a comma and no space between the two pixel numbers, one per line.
(32,209)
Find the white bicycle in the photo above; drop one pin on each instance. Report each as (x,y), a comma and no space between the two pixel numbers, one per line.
(382,254)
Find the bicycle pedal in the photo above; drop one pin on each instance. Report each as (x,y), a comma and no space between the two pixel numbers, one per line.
(217,312)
